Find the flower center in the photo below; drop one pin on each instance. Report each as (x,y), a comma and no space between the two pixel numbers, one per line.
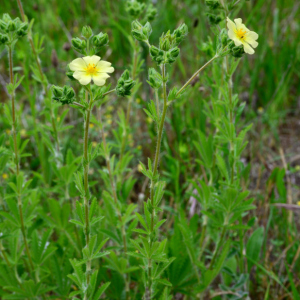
(91,69)
(241,33)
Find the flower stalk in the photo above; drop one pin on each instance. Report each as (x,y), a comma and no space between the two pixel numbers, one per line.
(14,132)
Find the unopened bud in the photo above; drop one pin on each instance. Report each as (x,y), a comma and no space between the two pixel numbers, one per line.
(86,32)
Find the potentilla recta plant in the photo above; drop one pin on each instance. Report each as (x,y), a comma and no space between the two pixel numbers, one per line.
(91,72)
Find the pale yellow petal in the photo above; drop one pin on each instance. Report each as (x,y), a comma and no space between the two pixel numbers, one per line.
(104,67)
(230,25)
(77,64)
(240,25)
(85,79)
(91,59)
(253,43)
(251,35)
(100,78)
(237,42)
(248,49)
(78,74)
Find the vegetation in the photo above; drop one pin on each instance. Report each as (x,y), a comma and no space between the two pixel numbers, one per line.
(148,150)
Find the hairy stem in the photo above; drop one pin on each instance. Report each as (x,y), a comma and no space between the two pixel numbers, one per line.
(115,197)
(43,77)
(14,131)
(155,169)
(195,74)
(86,182)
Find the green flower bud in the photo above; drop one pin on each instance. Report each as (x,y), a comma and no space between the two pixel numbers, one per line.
(12,26)
(174,52)
(236,51)
(3,26)
(125,84)
(180,33)
(138,35)
(151,13)
(70,93)
(165,45)
(169,58)
(57,92)
(6,18)
(154,51)
(100,40)
(135,8)
(214,19)
(86,32)
(136,25)
(213,4)
(155,79)
(3,39)
(65,95)
(147,29)
(78,44)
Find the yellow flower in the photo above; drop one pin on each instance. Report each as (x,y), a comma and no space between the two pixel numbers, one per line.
(110,108)
(260,110)
(91,125)
(298,203)
(139,147)
(23,133)
(109,121)
(4,176)
(94,144)
(90,68)
(140,168)
(241,35)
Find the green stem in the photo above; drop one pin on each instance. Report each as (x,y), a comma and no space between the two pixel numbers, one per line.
(43,77)
(155,168)
(195,74)
(14,130)
(86,182)
(135,60)
(218,247)
(115,197)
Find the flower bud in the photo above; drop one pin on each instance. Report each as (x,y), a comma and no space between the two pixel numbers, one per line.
(6,18)
(237,51)
(125,84)
(180,33)
(213,4)
(155,79)
(86,32)
(136,25)
(78,44)
(147,29)
(165,45)
(151,13)
(3,39)
(3,26)
(12,26)
(57,91)
(138,35)
(100,40)
(214,19)
(174,52)
(154,51)
(135,8)
(70,93)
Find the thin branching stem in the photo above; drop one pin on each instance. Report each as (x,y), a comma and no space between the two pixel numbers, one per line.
(86,179)
(195,74)
(43,77)
(115,197)
(14,132)
(155,169)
